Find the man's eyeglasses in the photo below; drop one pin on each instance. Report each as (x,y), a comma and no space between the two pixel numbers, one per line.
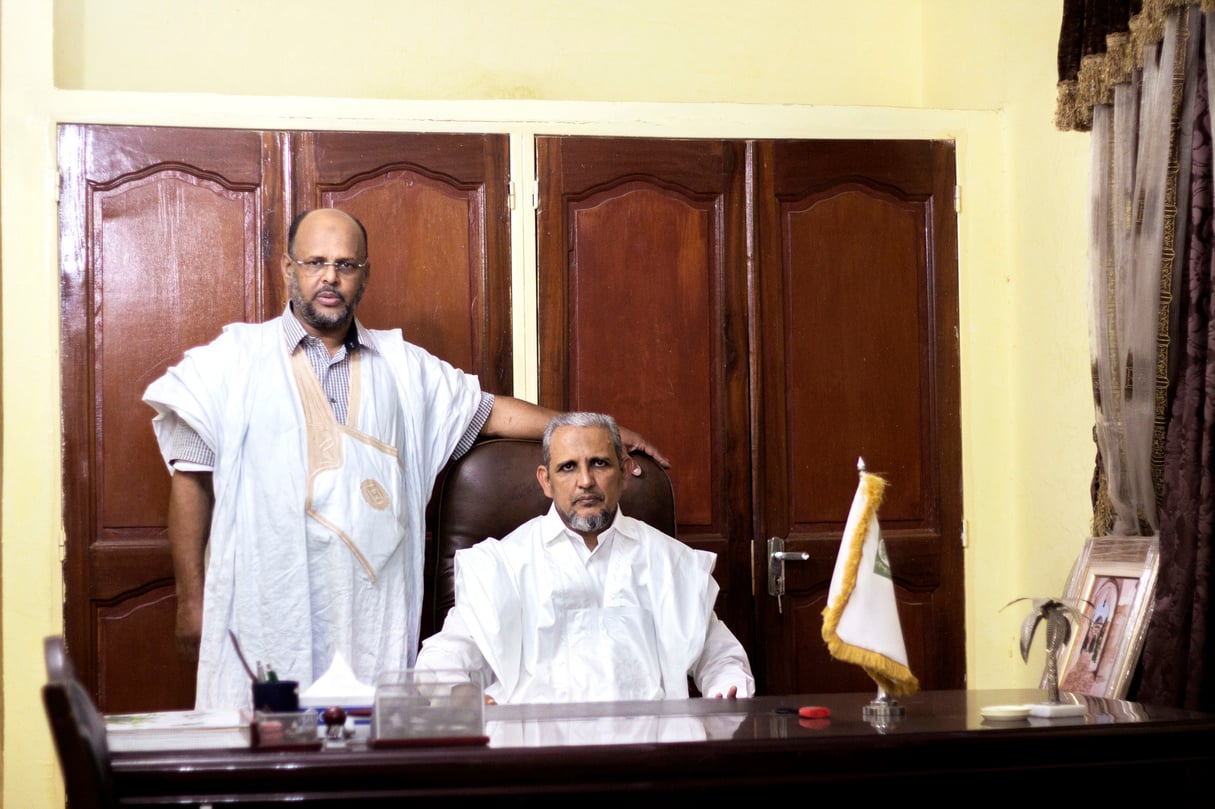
(316,266)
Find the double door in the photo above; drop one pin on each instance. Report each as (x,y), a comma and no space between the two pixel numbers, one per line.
(768,312)
(168,234)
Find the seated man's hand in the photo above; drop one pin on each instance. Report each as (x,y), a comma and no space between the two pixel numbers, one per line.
(731,694)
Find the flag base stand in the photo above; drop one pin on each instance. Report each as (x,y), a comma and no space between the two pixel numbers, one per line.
(883,712)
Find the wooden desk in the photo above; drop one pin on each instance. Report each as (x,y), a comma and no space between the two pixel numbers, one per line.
(719,749)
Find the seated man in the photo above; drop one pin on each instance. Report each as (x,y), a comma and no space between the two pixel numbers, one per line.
(584,603)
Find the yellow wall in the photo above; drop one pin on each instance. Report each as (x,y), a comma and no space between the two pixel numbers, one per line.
(980,72)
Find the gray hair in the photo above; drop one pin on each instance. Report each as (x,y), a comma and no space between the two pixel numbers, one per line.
(583,420)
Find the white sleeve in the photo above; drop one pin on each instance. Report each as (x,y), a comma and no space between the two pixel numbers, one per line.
(723,663)
(453,648)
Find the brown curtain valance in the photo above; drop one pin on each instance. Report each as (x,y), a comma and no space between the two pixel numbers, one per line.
(1100,43)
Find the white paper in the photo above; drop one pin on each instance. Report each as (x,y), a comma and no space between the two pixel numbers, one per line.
(175,730)
(337,686)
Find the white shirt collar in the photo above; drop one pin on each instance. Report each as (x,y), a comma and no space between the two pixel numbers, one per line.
(553,528)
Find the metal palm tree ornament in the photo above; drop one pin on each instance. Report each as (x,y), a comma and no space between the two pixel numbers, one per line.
(1058,616)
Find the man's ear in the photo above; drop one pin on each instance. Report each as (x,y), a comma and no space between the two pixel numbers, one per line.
(285,265)
(629,467)
(542,476)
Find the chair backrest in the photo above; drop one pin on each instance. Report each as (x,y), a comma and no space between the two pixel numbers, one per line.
(492,490)
(78,730)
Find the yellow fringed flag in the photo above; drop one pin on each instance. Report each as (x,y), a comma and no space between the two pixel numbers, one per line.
(861,620)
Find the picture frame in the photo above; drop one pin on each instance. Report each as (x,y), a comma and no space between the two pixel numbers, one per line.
(1112,584)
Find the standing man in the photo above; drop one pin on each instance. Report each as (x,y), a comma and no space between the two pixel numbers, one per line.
(585,604)
(303,451)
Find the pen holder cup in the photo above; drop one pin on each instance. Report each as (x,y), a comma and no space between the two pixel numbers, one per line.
(276,696)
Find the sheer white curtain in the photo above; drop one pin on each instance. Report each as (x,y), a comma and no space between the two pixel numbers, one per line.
(1140,77)
(1140,171)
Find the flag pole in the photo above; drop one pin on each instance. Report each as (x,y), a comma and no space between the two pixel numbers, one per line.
(883,711)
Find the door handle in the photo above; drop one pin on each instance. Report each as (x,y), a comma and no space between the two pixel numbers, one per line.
(777,556)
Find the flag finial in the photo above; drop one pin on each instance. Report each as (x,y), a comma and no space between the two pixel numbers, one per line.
(860,464)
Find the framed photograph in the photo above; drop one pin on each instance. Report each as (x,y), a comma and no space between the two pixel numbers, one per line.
(1112,584)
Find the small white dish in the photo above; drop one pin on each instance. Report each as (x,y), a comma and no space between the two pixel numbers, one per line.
(1005,713)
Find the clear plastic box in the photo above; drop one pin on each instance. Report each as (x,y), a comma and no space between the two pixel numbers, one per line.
(288,729)
(416,707)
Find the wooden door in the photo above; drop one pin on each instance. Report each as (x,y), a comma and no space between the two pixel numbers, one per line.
(754,376)
(642,314)
(857,356)
(166,235)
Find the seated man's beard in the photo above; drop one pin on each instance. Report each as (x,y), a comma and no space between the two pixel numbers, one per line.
(590,524)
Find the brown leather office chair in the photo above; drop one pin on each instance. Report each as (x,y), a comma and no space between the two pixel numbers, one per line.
(493,489)
(78,730)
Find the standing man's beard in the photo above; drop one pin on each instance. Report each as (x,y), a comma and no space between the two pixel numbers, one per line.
(591,524)
(306,311)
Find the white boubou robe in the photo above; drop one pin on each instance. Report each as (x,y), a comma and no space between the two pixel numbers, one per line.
(317,533)
(544,631)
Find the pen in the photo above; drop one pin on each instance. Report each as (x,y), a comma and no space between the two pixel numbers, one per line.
(241,655)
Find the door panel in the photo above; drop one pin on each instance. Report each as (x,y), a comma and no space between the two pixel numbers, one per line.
(841,318)
(641,315)
(168,234)
(677,303)
(857,354)
(435,209)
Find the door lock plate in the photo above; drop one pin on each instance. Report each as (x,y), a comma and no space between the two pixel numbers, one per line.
(777,556)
